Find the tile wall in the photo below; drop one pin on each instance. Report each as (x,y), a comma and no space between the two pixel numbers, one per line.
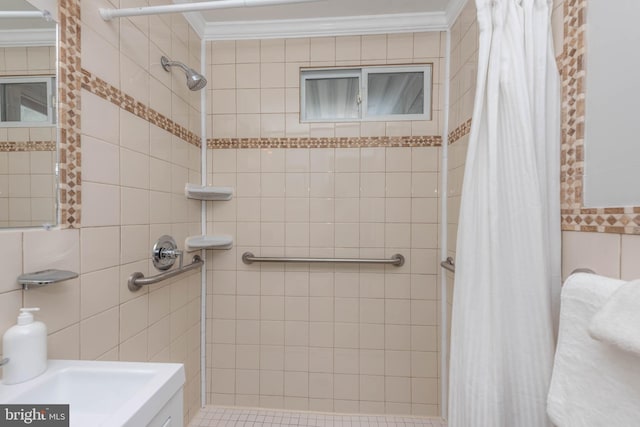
(344,338)
(27,155)
(255,84)
(133,174)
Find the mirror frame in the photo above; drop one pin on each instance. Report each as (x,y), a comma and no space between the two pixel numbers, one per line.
(576,217)
(69,91)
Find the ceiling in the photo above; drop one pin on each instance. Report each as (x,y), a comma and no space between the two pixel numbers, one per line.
(315,18)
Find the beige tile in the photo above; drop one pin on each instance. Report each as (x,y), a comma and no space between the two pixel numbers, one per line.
(372,388)
(272,75)
(630,250)
(100,160)
(99,334)
(400,46)
(374,47)
(424,390)
(248,126)
(135,348)
(320,385)
(11,254)
(297,49)
(323,49)
(64,344)
(247,381)
(397,389)
(348,48)
(247,51)
(346,387)
(248,76)
(598,251)
(320,359)
(100,205)
(51,249)
(133,317)
(100,248)
(272,50)
(98,291)
(223,380)
(100,118)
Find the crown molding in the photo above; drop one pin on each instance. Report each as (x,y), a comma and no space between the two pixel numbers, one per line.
(197,22)
(28,37)
(454,8)
(317,27)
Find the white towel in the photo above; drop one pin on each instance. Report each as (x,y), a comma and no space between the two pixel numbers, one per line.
(593,384)
(618,321)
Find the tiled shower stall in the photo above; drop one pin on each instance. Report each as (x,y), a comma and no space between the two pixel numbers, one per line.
(344,338)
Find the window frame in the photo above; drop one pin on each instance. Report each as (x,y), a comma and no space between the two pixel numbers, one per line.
(51,101)
(362,73)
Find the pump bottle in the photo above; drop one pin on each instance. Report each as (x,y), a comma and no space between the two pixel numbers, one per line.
(25,347)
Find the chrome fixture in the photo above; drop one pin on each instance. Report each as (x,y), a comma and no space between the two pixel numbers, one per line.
(164,255)
(396,260)
(45,277)
(448,264)
(165,252)
(137,280)
(195,80)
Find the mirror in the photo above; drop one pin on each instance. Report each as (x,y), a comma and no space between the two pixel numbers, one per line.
(612,89)
(28,118)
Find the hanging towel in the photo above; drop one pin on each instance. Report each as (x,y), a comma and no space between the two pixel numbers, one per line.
(618,321)
(593,383)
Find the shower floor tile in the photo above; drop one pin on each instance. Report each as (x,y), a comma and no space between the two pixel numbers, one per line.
(217,416)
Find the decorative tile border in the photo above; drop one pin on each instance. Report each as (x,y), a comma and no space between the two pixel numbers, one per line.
(69,80)
(575,217)
(462,130)
(110,93)
(335,142)
(15,146)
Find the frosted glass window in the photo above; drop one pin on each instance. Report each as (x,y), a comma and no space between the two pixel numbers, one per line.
(332,98)
(395,93)
(367,93)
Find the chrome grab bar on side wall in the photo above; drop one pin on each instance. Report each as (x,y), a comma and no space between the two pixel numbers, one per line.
(137,280)
(448,264)
(396,260)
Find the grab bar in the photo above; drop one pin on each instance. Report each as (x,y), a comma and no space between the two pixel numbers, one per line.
(448,264)
(137,280)
(396,260)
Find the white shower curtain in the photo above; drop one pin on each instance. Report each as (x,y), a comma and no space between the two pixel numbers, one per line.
(508,252)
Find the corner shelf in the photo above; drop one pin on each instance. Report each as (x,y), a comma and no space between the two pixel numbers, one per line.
(204,192)
(195,243)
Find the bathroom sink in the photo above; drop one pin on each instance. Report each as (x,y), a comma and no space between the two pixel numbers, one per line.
(102,393)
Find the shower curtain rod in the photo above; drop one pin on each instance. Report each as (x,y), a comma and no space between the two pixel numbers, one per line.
(109,14)
(15,14)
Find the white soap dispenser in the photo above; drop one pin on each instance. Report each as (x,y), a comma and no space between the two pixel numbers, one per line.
(25,347)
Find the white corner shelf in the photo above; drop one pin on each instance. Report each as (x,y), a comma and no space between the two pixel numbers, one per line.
(203,192)
(195,243)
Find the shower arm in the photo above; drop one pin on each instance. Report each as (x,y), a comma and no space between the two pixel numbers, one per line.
(168,63)
(109,14)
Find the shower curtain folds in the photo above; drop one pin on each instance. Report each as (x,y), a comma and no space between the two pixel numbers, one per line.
(508,258)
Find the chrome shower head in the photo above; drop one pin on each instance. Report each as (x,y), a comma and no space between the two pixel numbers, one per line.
(195,80)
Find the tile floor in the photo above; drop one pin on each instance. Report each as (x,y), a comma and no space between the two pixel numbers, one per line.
(216,416)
